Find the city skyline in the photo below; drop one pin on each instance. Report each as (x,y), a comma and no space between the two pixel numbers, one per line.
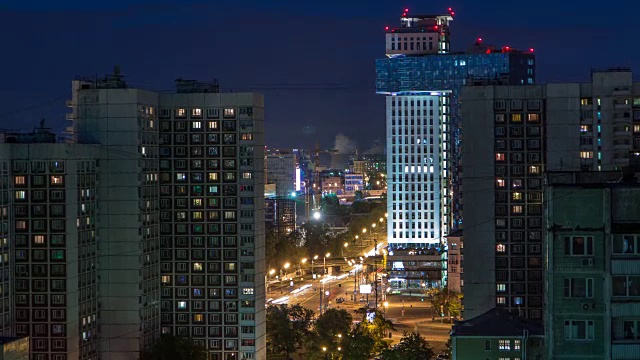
(337,41)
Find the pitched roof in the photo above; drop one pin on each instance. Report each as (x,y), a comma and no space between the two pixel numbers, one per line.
(497,322)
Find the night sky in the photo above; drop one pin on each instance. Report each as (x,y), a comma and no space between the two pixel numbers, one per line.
(313,60)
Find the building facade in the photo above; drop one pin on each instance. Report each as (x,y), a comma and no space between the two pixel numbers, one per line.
(455,261)
(593,230)
(503,193)
(181,198)
(353,183)
(440,73)
(51,280)
(520,132)
(281,170)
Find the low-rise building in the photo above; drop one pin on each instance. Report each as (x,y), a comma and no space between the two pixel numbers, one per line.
(455,262)
(497,335)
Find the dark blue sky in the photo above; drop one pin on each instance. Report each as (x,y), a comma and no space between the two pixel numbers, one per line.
(314,60)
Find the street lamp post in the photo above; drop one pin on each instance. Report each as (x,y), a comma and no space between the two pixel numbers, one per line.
(313,274)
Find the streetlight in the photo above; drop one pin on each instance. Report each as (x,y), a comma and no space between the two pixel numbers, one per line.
(386,305)
(324,270)
(313,274)
(316,215)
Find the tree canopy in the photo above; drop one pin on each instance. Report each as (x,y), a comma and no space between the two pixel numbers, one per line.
(412,346)
(288,326)
(171,347)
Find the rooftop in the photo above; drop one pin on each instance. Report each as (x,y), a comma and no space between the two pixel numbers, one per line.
(497,322)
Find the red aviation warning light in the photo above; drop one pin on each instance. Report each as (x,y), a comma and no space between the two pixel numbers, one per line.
(530,49)
(386,28)
(479,40)
(406,10)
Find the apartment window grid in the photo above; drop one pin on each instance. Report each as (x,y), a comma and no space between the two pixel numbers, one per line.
(418,161)
(41,294)
(203,267)
(6,314)
(519,166)
(149,140)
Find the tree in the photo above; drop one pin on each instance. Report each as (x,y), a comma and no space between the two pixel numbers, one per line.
(378,328)
(332,326)
(433,297)
(412,346)
(358,345)
(444,301)
(171,347)
(287,328)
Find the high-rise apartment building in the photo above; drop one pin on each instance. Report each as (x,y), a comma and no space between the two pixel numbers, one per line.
(422,80)
(592,276)
(520,132)
(281,170)
(181,215)
(49,245)
(503,193)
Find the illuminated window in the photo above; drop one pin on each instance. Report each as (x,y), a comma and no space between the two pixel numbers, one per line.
(247,291)
(21,195)
(516,209)
(197,202)
(19,180)
(501,300)
(246,175)
(212,125)
(504,345)
(586,154)
(585,101)
(246,137)
(500,157)
(181,112)
(196,112)
(56,180)
(501,287)
(198,317)
(182,305)
(533,117)
(500,182)
(166,280)
(517,196)
(585,128)
(229,113)
(38,239)
(516,345)
(534,169)
(197,215)
(517,183)
(501,248)
(196,125)
(213,176)
(516,117)
(197,266)
(181,177)
(21,225)
(636,128)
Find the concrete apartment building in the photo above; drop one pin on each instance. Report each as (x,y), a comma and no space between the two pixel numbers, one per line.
(281,170)
(181,215)
(592,287)
(49,209)
(519,133)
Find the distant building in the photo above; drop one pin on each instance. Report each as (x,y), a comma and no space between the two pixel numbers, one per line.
(593,278)
(14,348)
(361,166)
(455,261)
(415,270)
(423,80)
(280,214)
(281,170)
(353,183)
(497,335)
(332,185)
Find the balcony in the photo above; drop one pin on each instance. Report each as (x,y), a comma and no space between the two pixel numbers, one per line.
(621,349)
(70,116)
(69,103)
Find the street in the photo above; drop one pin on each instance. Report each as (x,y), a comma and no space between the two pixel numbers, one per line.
(408,313)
